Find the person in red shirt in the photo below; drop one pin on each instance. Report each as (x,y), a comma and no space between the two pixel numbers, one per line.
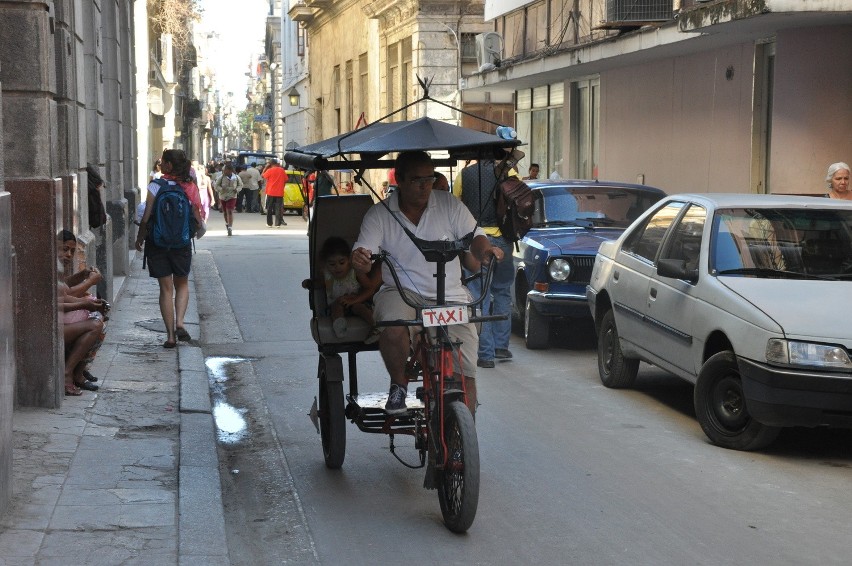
(276,178)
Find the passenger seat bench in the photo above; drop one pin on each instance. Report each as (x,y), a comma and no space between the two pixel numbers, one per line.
(339,216)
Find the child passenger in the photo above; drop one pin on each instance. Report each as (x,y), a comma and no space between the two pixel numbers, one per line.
(347,292)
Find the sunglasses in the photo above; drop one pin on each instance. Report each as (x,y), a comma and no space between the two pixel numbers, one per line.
(423,181)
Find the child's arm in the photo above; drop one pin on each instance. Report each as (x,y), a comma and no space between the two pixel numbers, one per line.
(369,282)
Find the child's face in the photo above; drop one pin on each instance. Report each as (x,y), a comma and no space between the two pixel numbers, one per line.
(338,265)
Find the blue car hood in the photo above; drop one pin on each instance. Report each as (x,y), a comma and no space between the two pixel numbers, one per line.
(575,241)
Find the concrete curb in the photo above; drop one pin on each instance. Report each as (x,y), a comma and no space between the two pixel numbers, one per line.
(201,537)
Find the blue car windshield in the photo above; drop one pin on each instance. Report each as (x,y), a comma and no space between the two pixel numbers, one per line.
(600,206)
(791,243)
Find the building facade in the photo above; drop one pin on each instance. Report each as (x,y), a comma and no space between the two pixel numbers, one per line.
(349,63)
(689,96)
(84,83)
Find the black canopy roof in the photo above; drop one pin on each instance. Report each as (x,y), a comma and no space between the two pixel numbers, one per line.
(378,139)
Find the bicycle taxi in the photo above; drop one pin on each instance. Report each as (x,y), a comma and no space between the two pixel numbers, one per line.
(438,419)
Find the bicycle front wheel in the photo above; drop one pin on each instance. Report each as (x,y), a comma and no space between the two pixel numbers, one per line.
(458,482)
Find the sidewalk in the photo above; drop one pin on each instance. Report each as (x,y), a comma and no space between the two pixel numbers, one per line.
(128,474)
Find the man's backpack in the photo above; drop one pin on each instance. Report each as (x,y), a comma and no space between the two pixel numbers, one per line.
(170,224)
(515,205)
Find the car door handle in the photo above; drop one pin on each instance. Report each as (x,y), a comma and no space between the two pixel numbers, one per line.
(615,275)
(653,292)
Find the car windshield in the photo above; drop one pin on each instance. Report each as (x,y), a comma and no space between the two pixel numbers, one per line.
(588,207)
(790,243)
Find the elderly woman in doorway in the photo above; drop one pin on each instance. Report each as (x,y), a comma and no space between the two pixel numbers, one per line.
(838,181)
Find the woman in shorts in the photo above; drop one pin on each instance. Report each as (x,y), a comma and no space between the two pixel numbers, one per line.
(171,266)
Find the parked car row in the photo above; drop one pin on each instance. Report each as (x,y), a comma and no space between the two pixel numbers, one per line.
(745,296)
(554,260)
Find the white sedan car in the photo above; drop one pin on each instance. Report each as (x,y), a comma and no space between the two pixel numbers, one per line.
(749,297)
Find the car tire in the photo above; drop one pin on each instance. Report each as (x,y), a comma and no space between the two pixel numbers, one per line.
(536,328)
(519,307)
(616,371)
(720,406)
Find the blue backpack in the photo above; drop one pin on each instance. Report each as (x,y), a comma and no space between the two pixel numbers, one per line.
(170,225)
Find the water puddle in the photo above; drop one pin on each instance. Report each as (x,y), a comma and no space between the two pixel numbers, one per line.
(231,426)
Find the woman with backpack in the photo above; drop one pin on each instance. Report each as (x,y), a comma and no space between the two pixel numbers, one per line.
(172,211)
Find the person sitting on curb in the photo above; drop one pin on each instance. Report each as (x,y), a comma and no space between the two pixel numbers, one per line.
(79,284)
(83,320)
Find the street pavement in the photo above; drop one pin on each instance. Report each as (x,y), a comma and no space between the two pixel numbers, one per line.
(128,474)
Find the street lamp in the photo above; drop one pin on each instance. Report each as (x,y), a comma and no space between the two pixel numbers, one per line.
(294,96)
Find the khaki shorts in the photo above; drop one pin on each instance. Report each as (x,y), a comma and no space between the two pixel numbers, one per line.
(388,305)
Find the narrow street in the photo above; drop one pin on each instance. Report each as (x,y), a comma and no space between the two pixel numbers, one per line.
(572,473)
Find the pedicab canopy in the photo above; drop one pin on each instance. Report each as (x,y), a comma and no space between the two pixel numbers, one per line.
(378,139)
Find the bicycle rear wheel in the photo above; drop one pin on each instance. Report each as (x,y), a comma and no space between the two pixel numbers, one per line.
(458,483)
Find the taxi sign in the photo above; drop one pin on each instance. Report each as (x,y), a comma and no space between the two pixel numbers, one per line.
(445,316)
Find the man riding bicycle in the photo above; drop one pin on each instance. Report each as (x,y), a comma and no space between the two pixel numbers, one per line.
(429,215)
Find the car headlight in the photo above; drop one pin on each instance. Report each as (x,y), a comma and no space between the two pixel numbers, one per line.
(807,354)
(559,269)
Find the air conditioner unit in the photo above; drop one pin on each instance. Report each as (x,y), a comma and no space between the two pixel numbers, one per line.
(638,10)
(489,49)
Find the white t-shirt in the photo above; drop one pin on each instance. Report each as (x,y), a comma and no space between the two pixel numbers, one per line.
(445,218)
(251,178)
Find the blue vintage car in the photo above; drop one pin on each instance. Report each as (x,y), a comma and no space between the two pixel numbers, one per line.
(554,260)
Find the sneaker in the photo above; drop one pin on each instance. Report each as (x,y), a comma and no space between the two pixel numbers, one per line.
(396,400)
(502,354)
(229,230)
(339,327)
(485,363)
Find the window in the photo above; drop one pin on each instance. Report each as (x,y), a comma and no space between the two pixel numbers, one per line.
(645,240)
(301,39)
(350,97)
(585,120)
(685,242)
(406,79)
(364,83)
(335,99)
(538,121)
(536,33)
(393,78)
(468,47)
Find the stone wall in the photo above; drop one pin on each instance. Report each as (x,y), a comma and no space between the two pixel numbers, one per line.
(30,152)
(7,346)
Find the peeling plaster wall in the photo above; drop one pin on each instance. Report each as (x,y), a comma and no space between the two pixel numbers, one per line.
(812,117)
(679,122)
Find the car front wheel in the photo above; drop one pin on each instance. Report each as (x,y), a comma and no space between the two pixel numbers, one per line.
(720,406)
(616,371)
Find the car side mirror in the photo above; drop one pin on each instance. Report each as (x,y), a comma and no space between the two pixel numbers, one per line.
(676,269)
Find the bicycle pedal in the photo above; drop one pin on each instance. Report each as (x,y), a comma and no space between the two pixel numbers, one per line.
(413,370)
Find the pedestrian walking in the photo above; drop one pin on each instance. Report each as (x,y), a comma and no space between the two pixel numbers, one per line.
(170,261)
(228,186)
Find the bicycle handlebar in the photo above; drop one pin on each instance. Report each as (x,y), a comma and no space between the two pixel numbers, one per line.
(383,257)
